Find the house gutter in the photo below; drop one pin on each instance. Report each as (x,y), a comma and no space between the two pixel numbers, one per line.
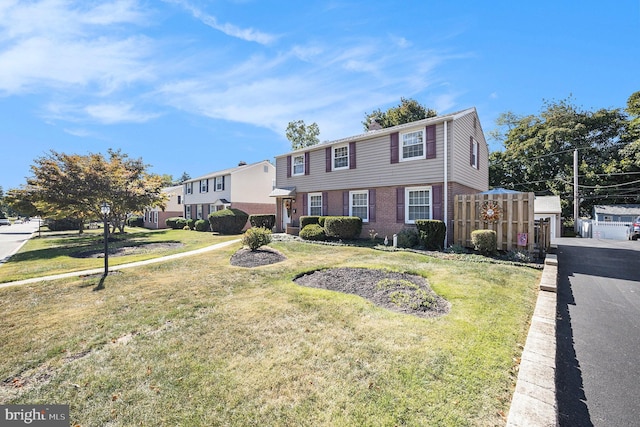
(446,184)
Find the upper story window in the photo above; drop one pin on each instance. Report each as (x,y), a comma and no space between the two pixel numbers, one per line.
(341,157)
(204,185)
(359,204)
(298,165)
(473,153)
(315,204)
(179,199)
(418,204)
(219,183)
(412,145)
(189,187)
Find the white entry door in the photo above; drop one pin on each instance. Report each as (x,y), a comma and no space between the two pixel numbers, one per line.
(286,219)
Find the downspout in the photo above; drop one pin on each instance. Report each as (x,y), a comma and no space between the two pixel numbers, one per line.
(445,186)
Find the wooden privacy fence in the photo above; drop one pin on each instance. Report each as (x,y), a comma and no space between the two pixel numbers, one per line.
(509,215)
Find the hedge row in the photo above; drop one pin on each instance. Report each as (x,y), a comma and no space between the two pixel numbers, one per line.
(321,227)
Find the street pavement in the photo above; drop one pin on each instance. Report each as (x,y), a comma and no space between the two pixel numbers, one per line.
(12,237)
(598,333)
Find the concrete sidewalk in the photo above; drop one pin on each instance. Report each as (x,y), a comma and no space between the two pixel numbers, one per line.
(534,401)
(120,267)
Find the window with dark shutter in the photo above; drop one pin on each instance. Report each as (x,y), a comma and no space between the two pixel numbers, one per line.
(400,204)
(431,142)
(327,155)
(437,202)
(394,149)
(306,163)
(288,166)
(372,205)
(352,155)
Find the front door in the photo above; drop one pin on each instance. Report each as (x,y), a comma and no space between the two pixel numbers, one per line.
(286,219)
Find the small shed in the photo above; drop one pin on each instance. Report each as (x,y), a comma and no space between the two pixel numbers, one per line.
(549,207)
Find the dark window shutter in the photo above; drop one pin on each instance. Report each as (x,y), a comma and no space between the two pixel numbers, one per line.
(306,163)
(345,203)
(304,205)
(394,137)
(327,158)
(325,203)
(223,183)
(288,166)
(400,204)
(352,155)
(372,205)
(431,141)
(436,200)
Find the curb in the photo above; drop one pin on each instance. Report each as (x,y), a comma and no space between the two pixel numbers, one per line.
(534,399)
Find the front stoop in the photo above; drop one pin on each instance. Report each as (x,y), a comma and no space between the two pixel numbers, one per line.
(534,400)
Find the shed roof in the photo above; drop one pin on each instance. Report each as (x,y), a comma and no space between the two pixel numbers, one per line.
(547,204)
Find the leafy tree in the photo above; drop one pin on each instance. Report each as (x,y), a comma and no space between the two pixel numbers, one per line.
(184,177)
(409,110)
(74,186)
(538,154)
(301,135)
(167,180)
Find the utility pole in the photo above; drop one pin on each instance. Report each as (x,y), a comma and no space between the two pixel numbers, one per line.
(576,202)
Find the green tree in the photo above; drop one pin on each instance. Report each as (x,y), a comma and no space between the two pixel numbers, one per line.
(301,135)
(74,186)
(409,110)
(538,154)
(184,177)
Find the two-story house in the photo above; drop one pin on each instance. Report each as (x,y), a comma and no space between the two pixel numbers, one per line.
(388,177)
(245,187)
(156,217)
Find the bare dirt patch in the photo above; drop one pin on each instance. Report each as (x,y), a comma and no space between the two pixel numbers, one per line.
(400,292)
(263,256)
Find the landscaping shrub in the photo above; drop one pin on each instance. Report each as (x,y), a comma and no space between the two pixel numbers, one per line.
(135,221)
(313,232)
(307,220)
(264,221)
(228,221)
(181,223)
(173,222)
(431,233)
(485,241)
(191,223)
(408,238)
(518,255)
(201,225)
(64,224)
(321,220)
(256,237)
(343,227)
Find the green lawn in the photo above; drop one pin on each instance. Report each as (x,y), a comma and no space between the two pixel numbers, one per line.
(58,252)
(198,342)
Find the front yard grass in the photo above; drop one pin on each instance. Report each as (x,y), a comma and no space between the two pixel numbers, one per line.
(198,342)
(61,252)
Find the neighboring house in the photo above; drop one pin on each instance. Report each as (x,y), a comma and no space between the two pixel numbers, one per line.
(388,177)
(245,187)
(156,217)
(616,213)
(549,207)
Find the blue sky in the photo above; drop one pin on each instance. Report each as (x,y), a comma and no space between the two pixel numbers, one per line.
(197,86)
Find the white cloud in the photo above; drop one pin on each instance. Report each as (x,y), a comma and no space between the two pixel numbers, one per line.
(247,34)
(118,113)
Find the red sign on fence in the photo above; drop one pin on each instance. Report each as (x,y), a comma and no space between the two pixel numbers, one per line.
(522,239)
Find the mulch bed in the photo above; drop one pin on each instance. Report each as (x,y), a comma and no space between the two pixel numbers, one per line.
(262,256)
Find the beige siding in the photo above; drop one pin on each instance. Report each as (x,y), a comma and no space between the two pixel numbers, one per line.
(462,172)
(252,184)
(374,168)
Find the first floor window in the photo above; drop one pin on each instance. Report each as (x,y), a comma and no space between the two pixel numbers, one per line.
(417,204)
(359,204)
(187,211)
(199,212)
(155,217)
(315,204)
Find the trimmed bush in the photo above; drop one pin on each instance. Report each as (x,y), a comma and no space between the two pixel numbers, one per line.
(191,223)
(308,220)
(408,238)
(343,227)
(201,225)
(181,223)
(64,224)
(135,221)
(228,221)
(173,222)
(485,241)
(313,232)
(264,221)
(431,232)
(256,237)
(321,220)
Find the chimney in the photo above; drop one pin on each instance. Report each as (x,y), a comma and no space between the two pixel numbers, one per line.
(374,125)
(242,163)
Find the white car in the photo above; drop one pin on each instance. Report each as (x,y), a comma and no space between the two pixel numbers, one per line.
(633,231)
(4,221)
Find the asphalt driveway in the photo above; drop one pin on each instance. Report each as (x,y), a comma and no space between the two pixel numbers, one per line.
(598,333)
